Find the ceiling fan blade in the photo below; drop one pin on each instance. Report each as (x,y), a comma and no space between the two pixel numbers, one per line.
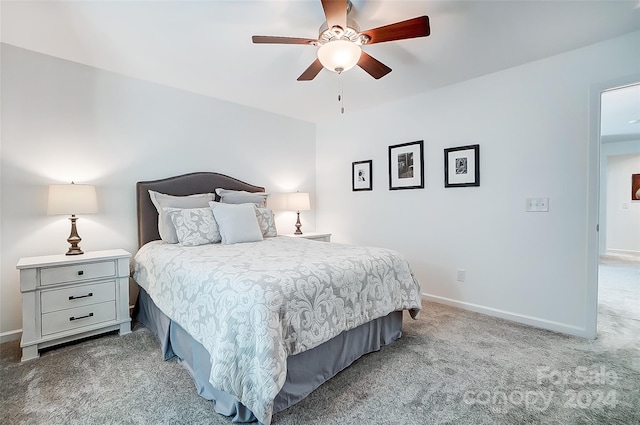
(411,28)
(258,39)
(373,66)
(336,13)
(311,72)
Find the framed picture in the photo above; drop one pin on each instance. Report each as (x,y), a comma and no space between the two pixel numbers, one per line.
(406,166)
(361,177)
(462,166)
(635,187)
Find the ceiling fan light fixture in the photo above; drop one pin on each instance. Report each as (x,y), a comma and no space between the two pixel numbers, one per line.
(340,41)
(339,55)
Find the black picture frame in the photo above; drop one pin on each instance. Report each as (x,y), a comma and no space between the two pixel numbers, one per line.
(406,166)
(462,166)
(361,175)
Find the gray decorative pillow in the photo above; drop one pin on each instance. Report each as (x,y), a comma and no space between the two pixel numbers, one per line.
(237,223)
(242,197)
(160,201)
(194,226)
(266,222)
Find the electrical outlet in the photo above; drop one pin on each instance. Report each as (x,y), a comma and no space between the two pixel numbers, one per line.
(537,205)
(461,275)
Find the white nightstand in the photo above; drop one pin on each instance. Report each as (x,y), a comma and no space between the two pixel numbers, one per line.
(322,237)
(67,297)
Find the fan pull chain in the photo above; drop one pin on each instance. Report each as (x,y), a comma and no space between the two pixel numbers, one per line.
(340,93)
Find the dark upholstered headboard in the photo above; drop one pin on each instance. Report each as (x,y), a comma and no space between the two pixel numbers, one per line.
(186,184)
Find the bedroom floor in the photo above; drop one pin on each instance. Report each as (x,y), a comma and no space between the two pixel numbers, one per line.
(450,366)
(619,286)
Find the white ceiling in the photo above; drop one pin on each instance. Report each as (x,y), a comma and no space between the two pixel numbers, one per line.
(205,46)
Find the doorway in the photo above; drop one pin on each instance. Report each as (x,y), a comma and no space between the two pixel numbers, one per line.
(618,260)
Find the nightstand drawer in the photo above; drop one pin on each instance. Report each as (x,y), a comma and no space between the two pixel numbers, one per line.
(63,320)
(77,296)
(76,272)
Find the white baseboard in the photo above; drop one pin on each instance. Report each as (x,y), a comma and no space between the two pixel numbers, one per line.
(10,336)
(634,255)
(514,317)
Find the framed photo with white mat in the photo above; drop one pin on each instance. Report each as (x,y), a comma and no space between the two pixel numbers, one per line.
(361,177)
(406,166)
(462,166)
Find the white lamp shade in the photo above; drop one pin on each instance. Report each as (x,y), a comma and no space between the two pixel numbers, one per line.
(72,199)
(339,55)
(298,201)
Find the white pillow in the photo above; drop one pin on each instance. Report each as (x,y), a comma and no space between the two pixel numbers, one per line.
(242,197)
(194,226)
(160,200)
(266,222)
(237,222)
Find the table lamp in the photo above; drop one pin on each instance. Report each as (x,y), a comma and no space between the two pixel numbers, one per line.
(72,199)
(297,201)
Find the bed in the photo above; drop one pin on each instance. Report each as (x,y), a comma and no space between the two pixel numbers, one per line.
(260,325)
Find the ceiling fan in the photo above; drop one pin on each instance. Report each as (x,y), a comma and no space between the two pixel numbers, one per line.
(340,41)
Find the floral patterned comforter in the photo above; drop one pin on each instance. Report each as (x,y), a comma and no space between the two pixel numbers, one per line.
(253,304)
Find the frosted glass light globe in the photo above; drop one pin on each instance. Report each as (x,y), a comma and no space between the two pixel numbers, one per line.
(339,55)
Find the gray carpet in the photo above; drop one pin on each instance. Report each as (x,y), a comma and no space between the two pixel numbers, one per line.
(619,286)
(450,367)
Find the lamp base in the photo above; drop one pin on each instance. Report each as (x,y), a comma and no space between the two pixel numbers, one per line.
(298,226)
(74,239)
(74,250)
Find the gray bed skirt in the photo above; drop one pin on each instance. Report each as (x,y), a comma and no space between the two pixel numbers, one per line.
(305,371)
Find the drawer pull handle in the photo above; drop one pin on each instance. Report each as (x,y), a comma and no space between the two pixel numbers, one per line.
(81,317)
(80,272)
(74,297)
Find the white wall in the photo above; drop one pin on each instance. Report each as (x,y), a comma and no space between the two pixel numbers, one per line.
(606,150)
(623,213)
(630,147)
(532,125)
(62,121)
